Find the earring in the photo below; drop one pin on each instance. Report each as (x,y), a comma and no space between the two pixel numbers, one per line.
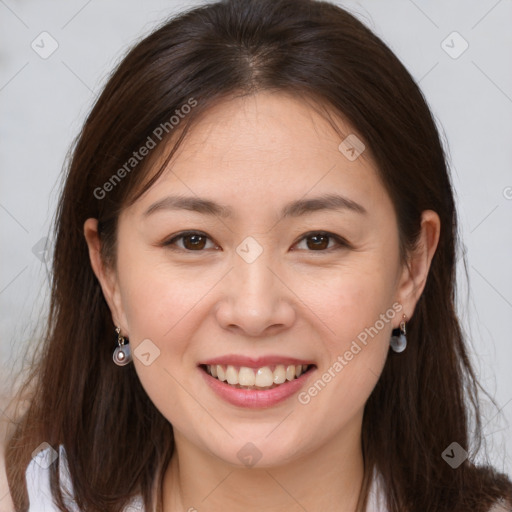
(399,342)
(122,354)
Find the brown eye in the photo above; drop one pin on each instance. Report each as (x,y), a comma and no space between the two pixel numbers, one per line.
(320,241)
(191,241)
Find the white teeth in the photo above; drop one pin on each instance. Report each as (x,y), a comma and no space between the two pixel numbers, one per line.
(246,376)
(231,375)
(279,374)
(221,374)
(264,377)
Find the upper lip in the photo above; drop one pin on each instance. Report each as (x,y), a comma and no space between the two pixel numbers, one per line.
(255,362)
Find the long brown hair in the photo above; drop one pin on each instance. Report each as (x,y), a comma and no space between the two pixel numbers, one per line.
(426,398)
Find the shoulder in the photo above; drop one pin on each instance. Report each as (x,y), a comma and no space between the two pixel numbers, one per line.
(377,501)
(501,506)
(37,476)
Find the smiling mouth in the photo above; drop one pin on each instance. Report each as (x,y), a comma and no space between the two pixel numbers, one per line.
(266,377)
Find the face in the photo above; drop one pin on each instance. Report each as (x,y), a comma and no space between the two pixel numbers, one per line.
(296,263)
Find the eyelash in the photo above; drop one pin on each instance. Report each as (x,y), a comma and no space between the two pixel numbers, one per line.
(342,243)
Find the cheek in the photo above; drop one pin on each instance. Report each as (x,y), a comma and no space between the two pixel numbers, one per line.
(162,307)
(357,316)
(354,304)
(349,299)
(159,300)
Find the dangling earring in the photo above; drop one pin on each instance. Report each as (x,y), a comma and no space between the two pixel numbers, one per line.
(398,343)
(122,354)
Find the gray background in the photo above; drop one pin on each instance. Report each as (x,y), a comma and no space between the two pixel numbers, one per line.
(43,103)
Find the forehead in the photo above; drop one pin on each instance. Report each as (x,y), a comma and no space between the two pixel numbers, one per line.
(266,147)
(269,127)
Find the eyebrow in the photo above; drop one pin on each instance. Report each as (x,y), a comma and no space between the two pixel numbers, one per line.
(296,208)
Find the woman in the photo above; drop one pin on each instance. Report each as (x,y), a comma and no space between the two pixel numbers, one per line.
(253,284)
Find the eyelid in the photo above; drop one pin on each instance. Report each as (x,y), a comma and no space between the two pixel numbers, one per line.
(342,242)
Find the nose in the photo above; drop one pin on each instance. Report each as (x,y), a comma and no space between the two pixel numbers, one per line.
(256,300)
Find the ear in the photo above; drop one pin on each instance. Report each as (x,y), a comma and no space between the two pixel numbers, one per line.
(107,276)
(415,270)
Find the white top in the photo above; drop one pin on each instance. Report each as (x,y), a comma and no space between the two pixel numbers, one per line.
(37,476)
(38,486)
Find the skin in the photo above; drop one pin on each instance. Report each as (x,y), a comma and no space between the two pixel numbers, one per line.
(255,154)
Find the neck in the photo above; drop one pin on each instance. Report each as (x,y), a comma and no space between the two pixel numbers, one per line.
(327,479)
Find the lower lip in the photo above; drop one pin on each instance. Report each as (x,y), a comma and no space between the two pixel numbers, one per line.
(252,398)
